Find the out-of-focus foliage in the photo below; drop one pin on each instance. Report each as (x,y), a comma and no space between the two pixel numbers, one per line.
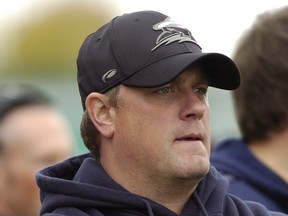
(48,45)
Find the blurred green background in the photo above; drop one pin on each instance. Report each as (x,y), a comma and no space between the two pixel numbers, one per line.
(41,48)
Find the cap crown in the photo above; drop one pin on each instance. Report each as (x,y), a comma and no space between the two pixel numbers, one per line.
(145,49)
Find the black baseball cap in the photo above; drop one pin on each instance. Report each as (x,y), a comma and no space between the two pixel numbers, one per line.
(146,49)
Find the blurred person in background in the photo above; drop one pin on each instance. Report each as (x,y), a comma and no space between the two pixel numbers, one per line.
(33,135)
(257,164)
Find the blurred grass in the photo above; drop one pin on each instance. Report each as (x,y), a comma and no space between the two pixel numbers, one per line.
(48,45)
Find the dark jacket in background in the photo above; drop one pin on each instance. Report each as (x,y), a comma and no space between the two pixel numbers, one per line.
(249,178)
(80,187)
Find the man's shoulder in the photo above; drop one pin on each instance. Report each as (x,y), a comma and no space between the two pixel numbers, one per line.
(247,208)
(68,211)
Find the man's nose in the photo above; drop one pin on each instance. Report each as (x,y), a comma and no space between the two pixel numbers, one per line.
(194,105)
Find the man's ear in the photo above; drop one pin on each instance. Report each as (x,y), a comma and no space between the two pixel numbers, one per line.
(99,110)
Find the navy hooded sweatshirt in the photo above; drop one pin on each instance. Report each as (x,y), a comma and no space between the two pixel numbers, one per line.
(80,187)
(249,178)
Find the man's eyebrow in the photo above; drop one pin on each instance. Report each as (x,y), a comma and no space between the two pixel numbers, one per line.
(201,78)
(205,79)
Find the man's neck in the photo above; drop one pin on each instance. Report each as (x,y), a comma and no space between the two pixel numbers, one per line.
(172,197)
(173,194)
(273,153)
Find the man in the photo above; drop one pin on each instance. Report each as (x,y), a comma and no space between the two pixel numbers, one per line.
(143,82)
(257,164)
(33,135)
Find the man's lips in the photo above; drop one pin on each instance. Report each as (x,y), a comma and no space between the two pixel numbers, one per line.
(190,137)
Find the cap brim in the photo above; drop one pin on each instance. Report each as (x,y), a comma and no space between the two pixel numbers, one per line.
(221,70)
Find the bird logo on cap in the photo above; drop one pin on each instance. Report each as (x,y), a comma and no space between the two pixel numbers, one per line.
(171,32)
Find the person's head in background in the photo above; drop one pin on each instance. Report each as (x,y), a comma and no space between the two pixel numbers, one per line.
(261,102)
(256,162)
(33,135)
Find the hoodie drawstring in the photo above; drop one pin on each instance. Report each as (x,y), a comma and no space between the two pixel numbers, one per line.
(198,201)
(149,208)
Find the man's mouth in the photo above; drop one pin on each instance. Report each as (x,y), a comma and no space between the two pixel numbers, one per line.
(190,137)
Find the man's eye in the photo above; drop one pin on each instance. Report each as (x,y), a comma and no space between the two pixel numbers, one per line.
(201,91)
(165,90)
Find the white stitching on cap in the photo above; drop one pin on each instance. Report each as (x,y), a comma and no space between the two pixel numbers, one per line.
(109,74)
(171,32)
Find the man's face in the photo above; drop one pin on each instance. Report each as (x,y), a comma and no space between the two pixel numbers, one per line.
(33,138)
(164,132)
